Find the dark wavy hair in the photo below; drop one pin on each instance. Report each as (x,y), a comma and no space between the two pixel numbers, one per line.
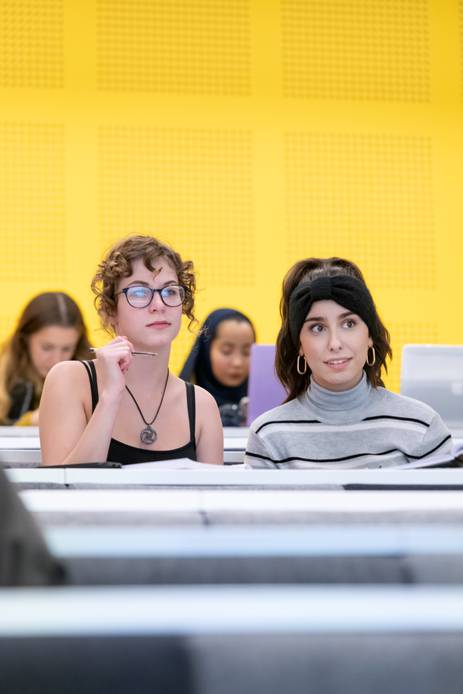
(118,264)
(286,353)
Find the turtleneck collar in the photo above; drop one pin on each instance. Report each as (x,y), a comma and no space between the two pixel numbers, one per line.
(341,405)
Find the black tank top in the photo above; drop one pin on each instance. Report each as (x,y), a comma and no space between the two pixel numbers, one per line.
(119,452)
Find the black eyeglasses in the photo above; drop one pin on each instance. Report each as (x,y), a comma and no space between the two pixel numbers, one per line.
(139,296)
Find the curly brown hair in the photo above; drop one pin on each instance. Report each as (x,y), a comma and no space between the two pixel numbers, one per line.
(286,352)
(117,264)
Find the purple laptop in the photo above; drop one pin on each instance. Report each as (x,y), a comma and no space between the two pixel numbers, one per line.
(264,389)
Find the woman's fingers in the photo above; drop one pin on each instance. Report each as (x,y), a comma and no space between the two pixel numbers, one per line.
(117,352)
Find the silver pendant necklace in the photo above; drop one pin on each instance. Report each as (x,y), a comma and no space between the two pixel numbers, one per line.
(148,435)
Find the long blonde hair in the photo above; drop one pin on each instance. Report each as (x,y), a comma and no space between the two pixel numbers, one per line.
(49,308)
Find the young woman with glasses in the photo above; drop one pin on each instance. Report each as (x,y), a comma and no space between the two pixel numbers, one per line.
(126,406)
(331,349)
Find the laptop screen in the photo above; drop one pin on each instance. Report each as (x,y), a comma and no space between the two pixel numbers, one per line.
(264,389)
(434,375)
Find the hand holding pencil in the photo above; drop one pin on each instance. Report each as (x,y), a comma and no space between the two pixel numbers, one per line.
(146,354)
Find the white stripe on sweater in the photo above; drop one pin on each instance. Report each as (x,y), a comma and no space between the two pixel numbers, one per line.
(307,428)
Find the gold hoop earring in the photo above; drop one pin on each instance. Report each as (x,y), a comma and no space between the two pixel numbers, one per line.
(373,360)
(298,365)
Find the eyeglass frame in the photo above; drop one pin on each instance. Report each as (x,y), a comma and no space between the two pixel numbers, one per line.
(153,292)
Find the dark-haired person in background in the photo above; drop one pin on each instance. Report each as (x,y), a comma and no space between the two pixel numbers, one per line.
(331,349)
(49,330)
(219,362)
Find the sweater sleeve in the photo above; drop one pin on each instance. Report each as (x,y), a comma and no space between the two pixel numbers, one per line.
(436,441)
(257,454)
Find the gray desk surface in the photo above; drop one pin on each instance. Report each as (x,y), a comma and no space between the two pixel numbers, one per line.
(31,441)
(229,432)
(227,609)
(30,457)
(236,442)
(12,443)
(22,432)
(236,432)
(273,501)
(252,541)
(282,554)
(234,476)
(235,438)
(24,451)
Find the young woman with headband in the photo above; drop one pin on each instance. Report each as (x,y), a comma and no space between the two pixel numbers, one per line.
(331,349)
(126,406)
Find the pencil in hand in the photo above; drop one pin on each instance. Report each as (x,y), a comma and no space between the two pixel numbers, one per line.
(145,354)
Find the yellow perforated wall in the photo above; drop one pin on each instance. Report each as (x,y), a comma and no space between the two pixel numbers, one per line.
(174,47)
(355,49)
(246,133)
(367,196)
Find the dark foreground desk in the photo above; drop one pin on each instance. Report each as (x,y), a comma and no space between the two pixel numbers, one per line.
(223,640)
(256,525)
(259,554)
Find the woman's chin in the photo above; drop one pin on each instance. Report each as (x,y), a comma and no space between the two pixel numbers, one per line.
(338,381)
(232,383)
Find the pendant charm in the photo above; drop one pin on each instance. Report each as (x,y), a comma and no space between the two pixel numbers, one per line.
(148,435)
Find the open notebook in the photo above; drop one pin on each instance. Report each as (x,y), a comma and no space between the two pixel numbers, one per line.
(452,459)
(177,464)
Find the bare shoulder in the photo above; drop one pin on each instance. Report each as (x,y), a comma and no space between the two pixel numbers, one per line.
(67,372)
(204,399)
(209,428)
(64,379)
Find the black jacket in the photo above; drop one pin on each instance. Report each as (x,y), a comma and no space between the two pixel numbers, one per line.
(22,400)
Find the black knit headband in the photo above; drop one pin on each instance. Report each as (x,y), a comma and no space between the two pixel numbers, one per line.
(345,290)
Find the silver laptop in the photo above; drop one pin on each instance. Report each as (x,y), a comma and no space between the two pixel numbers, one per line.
(434,374)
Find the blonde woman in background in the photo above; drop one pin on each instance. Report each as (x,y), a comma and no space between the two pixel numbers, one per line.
(49,330)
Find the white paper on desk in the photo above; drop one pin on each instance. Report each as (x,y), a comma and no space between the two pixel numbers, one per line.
(438,460)
(176,464)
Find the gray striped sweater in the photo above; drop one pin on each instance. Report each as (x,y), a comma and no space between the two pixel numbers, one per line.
(363,427)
